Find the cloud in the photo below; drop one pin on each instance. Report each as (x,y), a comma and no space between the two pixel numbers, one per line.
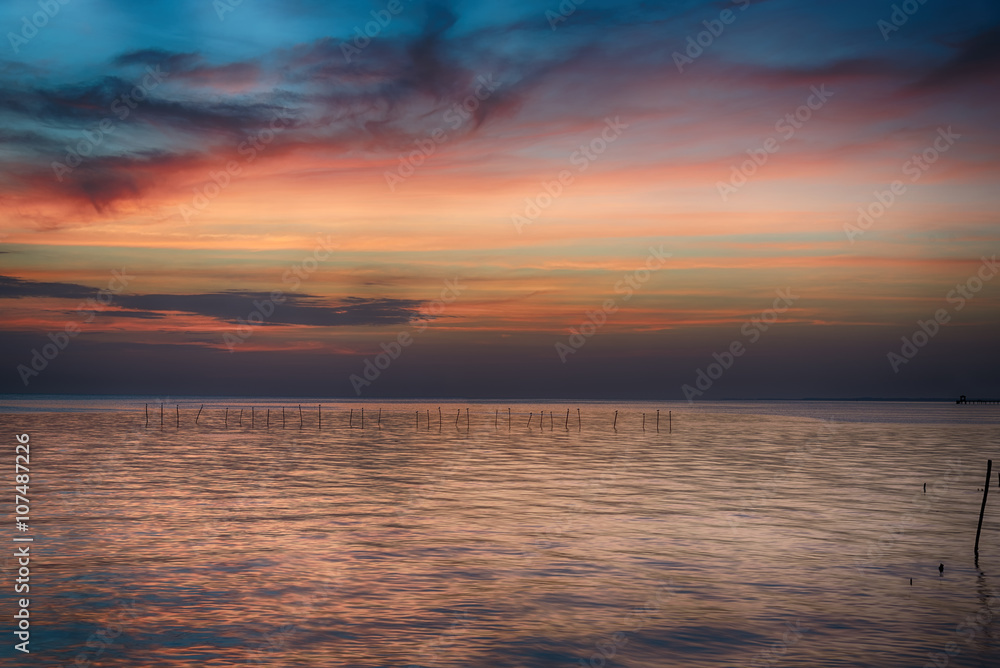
(977,60)
(297,309)
(15,288)
(233,305)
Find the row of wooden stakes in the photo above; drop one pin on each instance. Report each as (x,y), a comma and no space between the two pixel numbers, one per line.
(378,420)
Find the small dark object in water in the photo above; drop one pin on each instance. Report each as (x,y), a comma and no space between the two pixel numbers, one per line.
(925,488)
(941,569)
(911,582)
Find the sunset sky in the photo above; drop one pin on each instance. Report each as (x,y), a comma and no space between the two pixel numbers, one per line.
(474,178)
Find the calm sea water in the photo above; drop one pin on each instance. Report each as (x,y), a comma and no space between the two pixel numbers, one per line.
(753,534)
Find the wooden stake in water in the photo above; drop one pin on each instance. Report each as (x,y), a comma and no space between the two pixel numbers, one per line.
(670,418)
(439,418)
(352,419)
(508,419)
(241,417)
(416,419)
(530,415)
(147,415)
(457,415)
(657,420)
(161,416)
(644,422)
(579,420)
(428,419)
(982,509)
(379,417)
(198,416)
(300,416)
(319,413)
(496,419)
(178,416)
(615,425)
(567,419)
(227,418)
(253,416)
(362,417)
(282,417)
(268,424)
(550,420)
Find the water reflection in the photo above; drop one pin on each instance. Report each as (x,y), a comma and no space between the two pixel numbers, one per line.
(735,539)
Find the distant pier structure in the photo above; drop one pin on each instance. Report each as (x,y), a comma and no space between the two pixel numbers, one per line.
(963,400)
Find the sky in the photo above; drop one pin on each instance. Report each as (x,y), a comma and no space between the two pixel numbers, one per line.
(623,200)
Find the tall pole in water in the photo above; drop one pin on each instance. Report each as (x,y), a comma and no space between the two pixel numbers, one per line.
(657,420)
(197,417)
(567,419)
(147,415)
(982,509)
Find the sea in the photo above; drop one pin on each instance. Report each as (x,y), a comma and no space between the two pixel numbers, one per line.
(234,531)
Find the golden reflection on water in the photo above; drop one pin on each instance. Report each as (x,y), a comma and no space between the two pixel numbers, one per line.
(737,538)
